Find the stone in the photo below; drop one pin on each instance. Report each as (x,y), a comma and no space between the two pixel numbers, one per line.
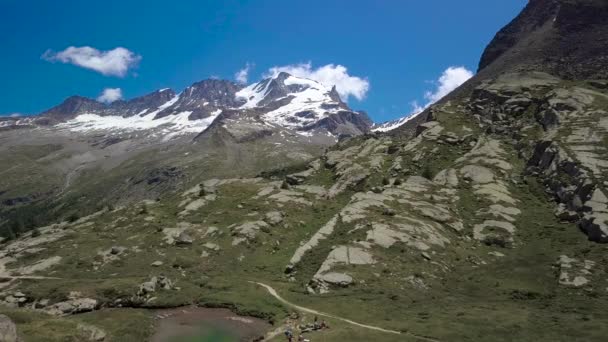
(147,287)
(157,263)
(389,212)
(549,119)
(183,239)
(73,306)
(345,255)
(562,213)
(446,177)
(574,272)
(417,282)
(294,179)
(93,333)
(495,192)
(273,217)
(595,225)
(212,231)
(335,278)
(150,286)
(435,213)
(322,234)
(8,330)
(500,233)
(477,174)
(211,246)
(247,231)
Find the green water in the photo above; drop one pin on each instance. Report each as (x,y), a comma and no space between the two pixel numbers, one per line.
(207,335)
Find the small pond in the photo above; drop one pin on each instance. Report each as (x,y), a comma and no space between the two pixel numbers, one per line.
(195,324)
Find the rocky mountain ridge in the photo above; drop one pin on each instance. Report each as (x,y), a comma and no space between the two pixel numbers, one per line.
(283,100)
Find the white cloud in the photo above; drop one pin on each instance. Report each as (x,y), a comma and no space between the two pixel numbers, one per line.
(114,62)
(242,75)
(15,115)
(110,95)
(450,79)
(328,75)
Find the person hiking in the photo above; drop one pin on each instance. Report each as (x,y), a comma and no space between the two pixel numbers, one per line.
(289,335)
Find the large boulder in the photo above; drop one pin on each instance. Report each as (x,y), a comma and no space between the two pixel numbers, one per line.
(273,217)
(150,286)
(73,306)
(183,239)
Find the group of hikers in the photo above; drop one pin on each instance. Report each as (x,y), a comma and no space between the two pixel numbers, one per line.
(316,325)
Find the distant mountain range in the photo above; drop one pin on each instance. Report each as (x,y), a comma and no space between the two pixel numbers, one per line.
(281,101)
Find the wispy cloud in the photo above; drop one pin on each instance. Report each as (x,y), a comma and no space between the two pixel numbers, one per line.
(242,75)
(328,75)
(450,79)
(110,95)
(116,62)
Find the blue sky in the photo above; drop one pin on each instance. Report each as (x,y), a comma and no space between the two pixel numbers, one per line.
(400,47)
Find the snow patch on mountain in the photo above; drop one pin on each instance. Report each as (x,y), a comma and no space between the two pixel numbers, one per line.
(391,125)
(306,105)
(176,124)
(283,101)
(304,109)
(253,94)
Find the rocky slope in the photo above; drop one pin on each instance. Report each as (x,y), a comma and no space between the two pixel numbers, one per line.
(480,219)
(569,39)
(129,150)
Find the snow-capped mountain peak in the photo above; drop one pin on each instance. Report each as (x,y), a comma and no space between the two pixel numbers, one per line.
(291,101)
(283,101)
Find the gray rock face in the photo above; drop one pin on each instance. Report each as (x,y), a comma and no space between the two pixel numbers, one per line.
(344,123)
(203,98)
(76,105)
(278,89)
(580,199)
(566,36)
(8,330)
(73,106)
(335,278)
(143,104)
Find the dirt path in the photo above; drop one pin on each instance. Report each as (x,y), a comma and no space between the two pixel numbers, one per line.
(274,293)
(7,277)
